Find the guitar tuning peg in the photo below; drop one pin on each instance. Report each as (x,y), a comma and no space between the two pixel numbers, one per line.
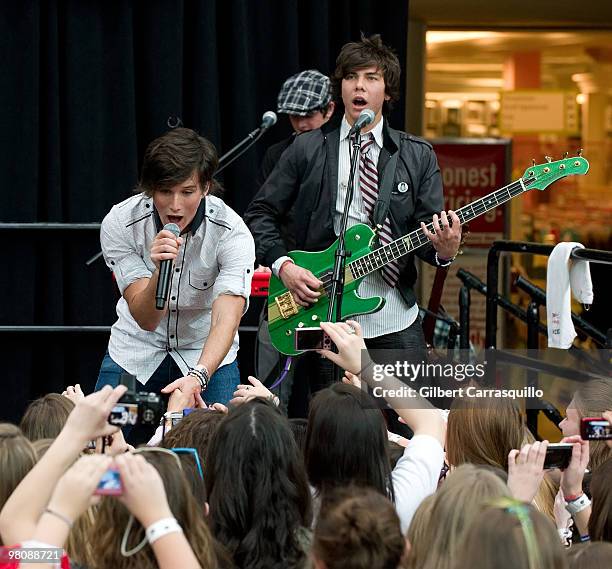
(548,159)
(566,155)
(533,161)
(580,152)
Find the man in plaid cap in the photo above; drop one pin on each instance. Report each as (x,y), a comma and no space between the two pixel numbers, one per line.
(306,99)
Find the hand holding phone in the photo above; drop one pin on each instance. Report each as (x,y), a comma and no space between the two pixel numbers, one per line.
(74,489)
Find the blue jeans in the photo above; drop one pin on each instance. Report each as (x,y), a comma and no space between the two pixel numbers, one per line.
(222,384)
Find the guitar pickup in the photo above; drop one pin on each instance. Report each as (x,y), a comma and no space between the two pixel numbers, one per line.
(286,305)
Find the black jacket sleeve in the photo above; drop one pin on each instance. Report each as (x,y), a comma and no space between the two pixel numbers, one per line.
(270,206)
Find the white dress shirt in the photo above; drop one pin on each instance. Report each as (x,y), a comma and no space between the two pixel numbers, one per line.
(395,315)
(216,257)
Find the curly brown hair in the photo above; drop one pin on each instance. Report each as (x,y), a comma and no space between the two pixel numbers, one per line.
(368,52)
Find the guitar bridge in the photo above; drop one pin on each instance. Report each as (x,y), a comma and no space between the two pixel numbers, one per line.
(286,305)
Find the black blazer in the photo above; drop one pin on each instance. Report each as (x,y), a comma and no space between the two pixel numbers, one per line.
(294,208)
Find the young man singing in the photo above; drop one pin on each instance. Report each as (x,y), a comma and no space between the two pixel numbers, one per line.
(192,343)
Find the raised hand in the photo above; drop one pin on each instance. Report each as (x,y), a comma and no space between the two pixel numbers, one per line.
(89,418)
(526,470)
(143,489)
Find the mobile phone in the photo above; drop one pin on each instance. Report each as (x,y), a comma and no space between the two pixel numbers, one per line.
(558,455)
(309,339)
(595,429)
(110,484)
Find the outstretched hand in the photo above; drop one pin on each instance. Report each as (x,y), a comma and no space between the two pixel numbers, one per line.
(348,338)
(144,494)
(89,418)
(246,392)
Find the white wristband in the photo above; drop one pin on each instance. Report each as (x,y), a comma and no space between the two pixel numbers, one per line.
(161,528)
(578,504)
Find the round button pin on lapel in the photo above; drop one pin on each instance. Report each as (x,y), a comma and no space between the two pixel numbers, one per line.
(402,187)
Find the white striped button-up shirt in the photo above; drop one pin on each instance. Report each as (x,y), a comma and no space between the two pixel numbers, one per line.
(216,257)
(395,314)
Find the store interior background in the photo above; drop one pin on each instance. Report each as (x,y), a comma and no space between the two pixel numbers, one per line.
(463,56)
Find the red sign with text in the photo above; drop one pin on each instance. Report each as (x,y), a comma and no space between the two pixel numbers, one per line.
(469,172)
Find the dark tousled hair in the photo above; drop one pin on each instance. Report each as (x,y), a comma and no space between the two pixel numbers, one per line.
(370,51)
(174,157)
(346,441)
(257,489)
(358,529)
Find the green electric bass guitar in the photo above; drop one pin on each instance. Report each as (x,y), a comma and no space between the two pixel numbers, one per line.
(285,315)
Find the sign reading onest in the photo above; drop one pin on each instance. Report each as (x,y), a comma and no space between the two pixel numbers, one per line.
(471,171)
(525,112)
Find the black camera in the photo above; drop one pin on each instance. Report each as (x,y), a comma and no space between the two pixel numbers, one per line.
(136,408)
(309,339)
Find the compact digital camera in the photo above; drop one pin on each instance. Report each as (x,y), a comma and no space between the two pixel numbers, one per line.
(136,408)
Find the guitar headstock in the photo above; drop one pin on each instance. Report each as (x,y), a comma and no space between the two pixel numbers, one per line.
(540,176)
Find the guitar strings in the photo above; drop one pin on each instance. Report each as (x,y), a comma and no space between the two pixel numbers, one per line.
(366,262)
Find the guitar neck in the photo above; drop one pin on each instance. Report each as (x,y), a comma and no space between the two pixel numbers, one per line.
(416,239)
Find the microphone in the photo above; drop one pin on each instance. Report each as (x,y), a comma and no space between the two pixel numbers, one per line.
(365,118)
(165,272)
(269,119)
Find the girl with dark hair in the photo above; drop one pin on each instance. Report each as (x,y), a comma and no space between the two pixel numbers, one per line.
(257,489)
(346,441)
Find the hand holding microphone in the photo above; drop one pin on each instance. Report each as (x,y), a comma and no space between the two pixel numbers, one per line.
(164,251)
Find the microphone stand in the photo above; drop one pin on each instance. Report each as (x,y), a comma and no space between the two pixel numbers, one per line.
(249,140)
(334,312)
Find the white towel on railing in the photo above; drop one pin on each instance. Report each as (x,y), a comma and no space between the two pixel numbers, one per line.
(565,273)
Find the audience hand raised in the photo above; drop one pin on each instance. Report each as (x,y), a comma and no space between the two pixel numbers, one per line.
(143,489)
(73,491)
(526,470)
(256,389)
(89,418)
(348,338)
(74,393)
(572,476)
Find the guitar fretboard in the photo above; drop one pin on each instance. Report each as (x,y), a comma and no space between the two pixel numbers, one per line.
(408,243)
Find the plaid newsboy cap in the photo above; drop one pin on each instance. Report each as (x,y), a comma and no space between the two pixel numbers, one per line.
(304,93)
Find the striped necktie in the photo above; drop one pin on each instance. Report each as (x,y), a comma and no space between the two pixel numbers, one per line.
(368,183)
